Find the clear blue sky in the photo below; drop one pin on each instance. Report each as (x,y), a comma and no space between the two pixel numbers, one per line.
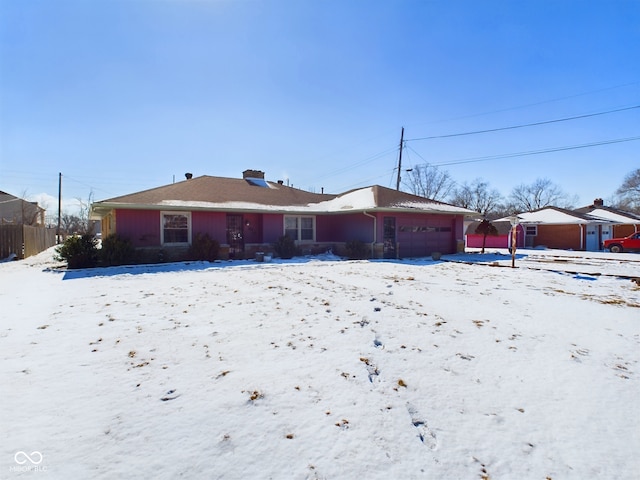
(125,95)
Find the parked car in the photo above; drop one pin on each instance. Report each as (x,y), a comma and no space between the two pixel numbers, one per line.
(617,245)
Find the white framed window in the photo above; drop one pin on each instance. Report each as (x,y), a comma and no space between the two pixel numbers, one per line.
(175,228)
(300,228)
(531,230)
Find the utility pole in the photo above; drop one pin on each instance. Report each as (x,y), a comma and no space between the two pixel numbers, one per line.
(59,206)
(400,159)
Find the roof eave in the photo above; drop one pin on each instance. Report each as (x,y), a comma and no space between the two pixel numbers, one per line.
(102,208)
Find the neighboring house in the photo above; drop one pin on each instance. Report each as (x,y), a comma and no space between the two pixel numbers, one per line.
(16,211)
(621,223)
(554,227)
(22,231)
(248,215)
(584,228)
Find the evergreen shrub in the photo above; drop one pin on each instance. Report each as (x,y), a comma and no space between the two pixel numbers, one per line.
(117,251)
(285,247)
(203,247)
(79,251)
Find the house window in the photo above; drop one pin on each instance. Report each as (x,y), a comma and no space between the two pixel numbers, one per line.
(176,228)
(531,230)
(300,228)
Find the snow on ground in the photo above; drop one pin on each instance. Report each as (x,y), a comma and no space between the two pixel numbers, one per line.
(320,368)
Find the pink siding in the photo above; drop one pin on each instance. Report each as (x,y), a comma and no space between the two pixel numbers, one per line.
(416,234)
(342,228)
(212,223)
(252,228)
(142,227)
(493,241)
(421,235)
(272,227)
(496,241)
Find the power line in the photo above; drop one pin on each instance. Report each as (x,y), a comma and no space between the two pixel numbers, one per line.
(534,104)
(366,160)
(535,152)
(512,127)
(359,163)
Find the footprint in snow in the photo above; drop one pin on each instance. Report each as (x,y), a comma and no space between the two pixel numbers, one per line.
(372,370)
(170,395)
(426,435)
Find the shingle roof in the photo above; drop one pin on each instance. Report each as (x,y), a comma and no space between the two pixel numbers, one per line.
(555,216)
(216,190)
(614,215)
(230,194)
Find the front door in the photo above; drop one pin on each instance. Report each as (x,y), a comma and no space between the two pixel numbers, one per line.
(606,234)
(235,236)
(389,238)
(592,238)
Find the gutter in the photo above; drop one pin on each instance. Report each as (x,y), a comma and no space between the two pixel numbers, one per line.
(375,231)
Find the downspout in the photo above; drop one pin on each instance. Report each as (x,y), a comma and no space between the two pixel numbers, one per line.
(375,231)
(581,236)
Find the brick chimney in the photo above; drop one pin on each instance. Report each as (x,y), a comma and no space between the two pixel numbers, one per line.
(253,174)
(598,202)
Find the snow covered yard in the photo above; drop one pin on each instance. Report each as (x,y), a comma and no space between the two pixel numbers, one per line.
(319,368)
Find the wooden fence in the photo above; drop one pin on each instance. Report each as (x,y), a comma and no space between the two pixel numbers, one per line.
(24,240)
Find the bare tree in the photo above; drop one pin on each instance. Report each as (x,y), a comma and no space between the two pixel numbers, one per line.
(30,213)
(477,196)
(80,223)
(70,224)
(505,209)
(429,182)
(539,194)
(629,191)
(84,215)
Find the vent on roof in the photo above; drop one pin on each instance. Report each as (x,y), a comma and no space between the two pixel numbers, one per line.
(188,175)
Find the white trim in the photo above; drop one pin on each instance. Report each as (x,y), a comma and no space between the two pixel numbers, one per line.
(171,212)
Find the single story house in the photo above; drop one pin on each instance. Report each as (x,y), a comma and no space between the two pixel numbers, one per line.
(549,227)
(16,211)
(247,215)
(22,228)
(621,223)
(584,228)
(555,227)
